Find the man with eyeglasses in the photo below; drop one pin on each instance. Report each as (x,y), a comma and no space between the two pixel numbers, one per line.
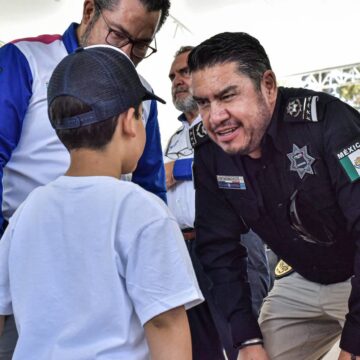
(30,152)
(209,333)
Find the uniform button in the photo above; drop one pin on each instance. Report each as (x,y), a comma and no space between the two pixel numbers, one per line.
(264,167)
(280,205)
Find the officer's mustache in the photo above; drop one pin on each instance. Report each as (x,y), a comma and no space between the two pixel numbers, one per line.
(226,123)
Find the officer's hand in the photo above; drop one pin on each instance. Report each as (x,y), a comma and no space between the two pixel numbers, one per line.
(253,352)
(169,172)
(344,355)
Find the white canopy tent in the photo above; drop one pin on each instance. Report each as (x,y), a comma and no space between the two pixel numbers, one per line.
(299,36)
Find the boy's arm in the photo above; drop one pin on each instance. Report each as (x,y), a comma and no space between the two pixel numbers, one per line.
(168,335)
(2,323)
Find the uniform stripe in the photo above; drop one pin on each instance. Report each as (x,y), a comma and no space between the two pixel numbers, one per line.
(45,39)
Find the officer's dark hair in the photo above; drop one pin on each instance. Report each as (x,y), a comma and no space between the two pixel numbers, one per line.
(150,5)
(95,136)
(183,49)
(227,47)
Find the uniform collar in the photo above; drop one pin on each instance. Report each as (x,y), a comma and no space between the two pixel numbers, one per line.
(70,39)
(182,118)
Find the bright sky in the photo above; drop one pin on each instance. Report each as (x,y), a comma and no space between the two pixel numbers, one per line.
(299,36)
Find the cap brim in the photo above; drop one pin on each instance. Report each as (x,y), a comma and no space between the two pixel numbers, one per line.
(151,96)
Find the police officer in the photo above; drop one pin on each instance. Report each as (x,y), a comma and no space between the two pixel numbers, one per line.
(209,331)
(285,162)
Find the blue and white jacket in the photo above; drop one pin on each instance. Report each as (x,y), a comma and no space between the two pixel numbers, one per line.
(30,152)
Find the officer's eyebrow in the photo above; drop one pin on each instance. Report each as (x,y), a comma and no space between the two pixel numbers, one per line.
(199,99)
(225,91)
(218,95)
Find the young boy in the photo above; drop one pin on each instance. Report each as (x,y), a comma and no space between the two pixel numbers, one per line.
(87,260)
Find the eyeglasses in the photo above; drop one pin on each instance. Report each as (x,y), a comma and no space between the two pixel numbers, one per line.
(178,154)
(140,49)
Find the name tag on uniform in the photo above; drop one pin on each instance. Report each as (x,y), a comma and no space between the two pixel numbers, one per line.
(231,182)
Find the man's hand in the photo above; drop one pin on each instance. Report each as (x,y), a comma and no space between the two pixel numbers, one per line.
(169,171)
(253,352)
(344,355)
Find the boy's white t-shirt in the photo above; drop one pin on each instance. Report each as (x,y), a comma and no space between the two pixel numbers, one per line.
(85,262)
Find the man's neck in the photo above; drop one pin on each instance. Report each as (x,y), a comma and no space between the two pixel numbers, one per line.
(191,116)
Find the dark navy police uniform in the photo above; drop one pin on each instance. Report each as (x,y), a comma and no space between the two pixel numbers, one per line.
(302,197)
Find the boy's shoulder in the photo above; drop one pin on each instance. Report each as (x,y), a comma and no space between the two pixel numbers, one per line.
(144,199)
(107,193)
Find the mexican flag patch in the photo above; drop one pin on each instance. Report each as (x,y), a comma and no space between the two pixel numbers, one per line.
(349,158)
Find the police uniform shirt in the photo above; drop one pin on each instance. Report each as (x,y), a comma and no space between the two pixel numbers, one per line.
(311,154)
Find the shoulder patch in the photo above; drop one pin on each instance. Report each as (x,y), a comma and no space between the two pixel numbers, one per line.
(198,135)
(349,158)
(303,109)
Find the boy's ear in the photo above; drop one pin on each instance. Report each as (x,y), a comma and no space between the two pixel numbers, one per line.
(128,122)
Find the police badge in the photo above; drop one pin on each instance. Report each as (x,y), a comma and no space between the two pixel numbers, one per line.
(301,161)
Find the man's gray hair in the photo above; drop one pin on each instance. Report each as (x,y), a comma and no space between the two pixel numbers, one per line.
(183,49)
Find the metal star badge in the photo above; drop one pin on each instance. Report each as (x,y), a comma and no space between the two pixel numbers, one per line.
(301,161)
(294,108)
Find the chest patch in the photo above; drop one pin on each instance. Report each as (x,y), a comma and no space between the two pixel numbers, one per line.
(301,161)
(302,109)
(349,159)
(231,182)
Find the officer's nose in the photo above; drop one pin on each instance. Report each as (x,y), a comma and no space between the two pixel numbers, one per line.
(218,113)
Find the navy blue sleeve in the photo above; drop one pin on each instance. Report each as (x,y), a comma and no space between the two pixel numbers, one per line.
(150,172)
(183,169)
(15,93)
(224,259)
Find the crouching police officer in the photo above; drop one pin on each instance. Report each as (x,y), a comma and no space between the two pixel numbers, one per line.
(285,162)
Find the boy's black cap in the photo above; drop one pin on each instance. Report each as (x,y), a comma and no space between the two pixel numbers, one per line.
(102,77)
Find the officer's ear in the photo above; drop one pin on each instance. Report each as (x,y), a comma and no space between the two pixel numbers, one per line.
(268,86)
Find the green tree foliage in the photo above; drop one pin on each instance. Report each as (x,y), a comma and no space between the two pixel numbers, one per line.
(351,94)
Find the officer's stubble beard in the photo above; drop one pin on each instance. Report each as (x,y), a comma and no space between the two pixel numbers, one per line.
(257,132)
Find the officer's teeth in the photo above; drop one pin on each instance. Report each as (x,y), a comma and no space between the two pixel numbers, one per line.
(226,132)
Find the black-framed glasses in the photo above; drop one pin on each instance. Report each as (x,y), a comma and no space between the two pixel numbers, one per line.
(140,49)
(175,155)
